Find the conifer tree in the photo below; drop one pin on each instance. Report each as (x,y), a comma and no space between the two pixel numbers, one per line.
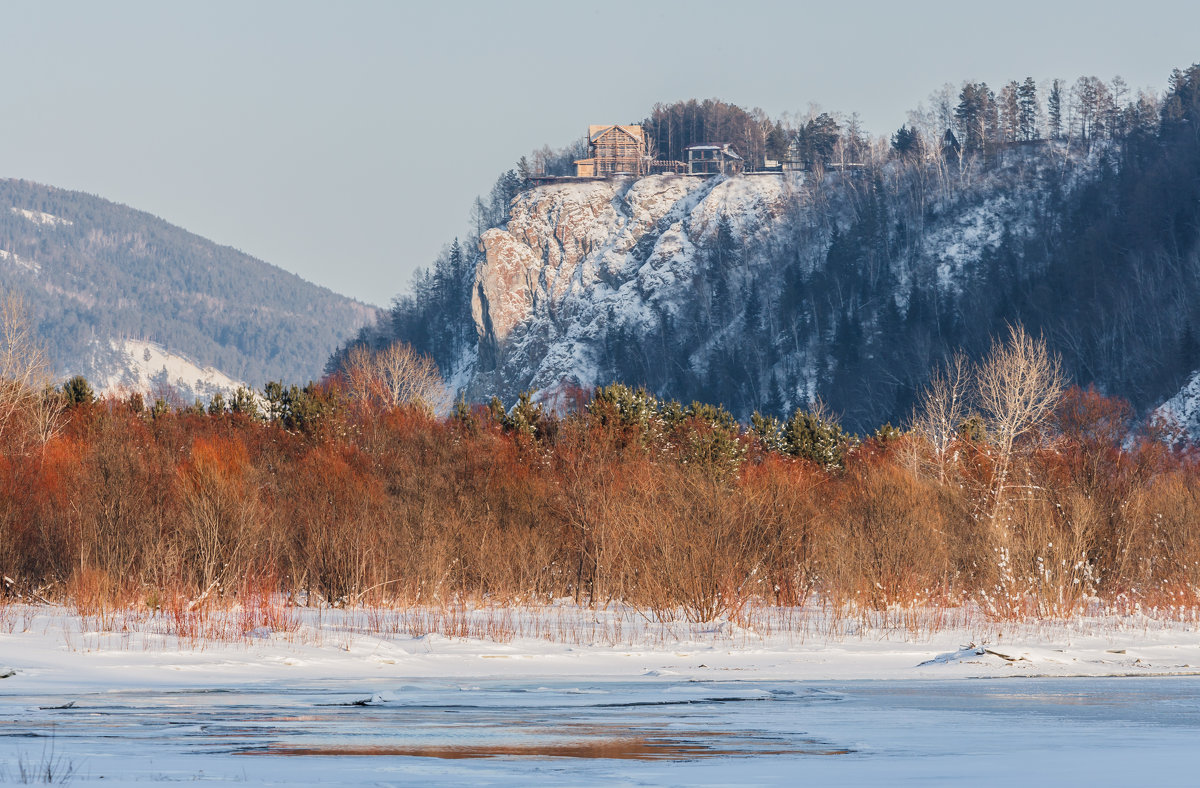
(1054,109)
(1027,101)
(976,116)
(906,141)
(77,391)
(1010,113)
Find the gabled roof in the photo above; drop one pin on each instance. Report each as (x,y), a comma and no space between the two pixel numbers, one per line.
(596,132)
(726,148)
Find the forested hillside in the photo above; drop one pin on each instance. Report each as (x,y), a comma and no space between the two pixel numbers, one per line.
(91,271)
(1072,208)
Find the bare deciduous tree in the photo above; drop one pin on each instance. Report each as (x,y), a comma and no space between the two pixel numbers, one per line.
(941,410)
(358,372)
(1014,390)
(1018,384)
(394,376)
(28,411)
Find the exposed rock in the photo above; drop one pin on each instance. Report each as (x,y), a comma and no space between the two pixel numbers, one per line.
(574,257)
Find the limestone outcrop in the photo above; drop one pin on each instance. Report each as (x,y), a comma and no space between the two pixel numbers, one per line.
(576,260)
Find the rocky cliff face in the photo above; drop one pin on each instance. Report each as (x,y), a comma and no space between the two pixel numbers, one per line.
(579,260)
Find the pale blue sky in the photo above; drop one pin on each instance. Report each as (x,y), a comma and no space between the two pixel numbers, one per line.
(346,141)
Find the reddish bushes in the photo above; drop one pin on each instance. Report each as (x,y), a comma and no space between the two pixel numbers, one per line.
(668,510)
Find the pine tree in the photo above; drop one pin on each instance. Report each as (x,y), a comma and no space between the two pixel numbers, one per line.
(753,314)
(1010,113)
(966,114)
(815,141)
(906,141)
(77,391)
(976,116)
(1054,109)
(719,309)
(813,437)
(725,249)
(244,402)
(1027,101)
(777,142)
(1189,348)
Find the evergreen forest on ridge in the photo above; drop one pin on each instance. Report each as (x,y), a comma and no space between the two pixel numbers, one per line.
(1095,190)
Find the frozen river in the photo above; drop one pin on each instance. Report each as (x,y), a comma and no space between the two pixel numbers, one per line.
(1026,731)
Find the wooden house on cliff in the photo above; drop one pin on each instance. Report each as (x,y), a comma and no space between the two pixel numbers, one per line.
(614,149)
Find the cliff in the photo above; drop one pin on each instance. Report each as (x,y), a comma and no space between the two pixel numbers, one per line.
(577,261)
(771,292)
(760,291)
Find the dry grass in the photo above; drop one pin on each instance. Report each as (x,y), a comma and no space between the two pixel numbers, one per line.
(563,623)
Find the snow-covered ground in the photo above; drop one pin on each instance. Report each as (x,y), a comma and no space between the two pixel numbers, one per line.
(56,648)
(121,367)
(1182,411)
(42,218)
(21,262)
(561,695)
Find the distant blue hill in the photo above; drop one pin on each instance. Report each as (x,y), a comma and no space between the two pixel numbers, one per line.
(92,271)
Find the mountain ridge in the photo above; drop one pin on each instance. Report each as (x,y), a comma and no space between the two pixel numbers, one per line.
(94,271)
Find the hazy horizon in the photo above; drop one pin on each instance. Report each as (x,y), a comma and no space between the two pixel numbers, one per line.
(346,143)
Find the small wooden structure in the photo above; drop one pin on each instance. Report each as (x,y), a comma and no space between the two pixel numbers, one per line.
(950,146)
(615,150)
(664,166)
(793,162)
(713,160)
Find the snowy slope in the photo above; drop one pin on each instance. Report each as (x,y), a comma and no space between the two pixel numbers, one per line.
(121,368)
(90,271)
(1182,411)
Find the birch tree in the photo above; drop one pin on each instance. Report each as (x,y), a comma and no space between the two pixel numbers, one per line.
(941,410)
(1017,387)
(395,376)
(29,413)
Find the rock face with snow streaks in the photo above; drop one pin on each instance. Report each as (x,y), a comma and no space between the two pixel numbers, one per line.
(577,259)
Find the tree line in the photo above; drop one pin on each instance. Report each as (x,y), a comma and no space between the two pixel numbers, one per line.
(1008,491)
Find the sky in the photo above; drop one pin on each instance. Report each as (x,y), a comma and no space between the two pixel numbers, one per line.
(347,141)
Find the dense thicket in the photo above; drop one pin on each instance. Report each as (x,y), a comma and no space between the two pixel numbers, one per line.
(670,508)
(849,304)
(109,271)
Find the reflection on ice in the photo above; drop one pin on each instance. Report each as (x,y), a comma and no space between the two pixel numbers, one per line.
(677,732)
(636,747)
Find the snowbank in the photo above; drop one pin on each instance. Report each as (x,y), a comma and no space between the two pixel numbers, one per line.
(49,648)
